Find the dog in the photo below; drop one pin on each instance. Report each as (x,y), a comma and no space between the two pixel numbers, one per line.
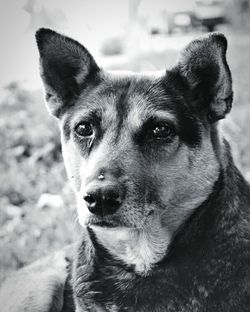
(164,210)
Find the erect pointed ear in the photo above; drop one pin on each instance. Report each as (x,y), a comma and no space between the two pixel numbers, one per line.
(66,67)
(205,70)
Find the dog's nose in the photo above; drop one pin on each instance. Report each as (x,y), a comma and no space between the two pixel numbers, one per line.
(103,200)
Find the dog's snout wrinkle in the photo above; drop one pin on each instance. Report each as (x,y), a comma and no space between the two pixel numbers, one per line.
(102,170)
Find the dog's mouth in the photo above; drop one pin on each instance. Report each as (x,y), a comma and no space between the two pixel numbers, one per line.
(86,218)
(102,221)
(117,219)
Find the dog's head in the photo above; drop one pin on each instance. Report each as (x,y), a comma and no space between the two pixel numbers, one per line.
(138,147)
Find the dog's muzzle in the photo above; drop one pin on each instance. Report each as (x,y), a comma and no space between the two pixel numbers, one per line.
(103,198)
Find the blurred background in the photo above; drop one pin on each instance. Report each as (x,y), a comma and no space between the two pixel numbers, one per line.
(36,203)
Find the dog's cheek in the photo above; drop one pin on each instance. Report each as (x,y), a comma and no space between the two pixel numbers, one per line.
(132,215)
(82,211)
(73,162)
(189,180)
(143,201)
(146,181)
(161,169)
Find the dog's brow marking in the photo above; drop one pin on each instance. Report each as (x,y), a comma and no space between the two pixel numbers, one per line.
(90,112)
(101,105)
(164,115)
(138,115)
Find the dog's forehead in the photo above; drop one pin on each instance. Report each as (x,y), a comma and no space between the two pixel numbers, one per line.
(129,94)
(133,89)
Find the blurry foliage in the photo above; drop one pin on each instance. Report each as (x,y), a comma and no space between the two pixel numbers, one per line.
(239,62)
(30,147)
(30,165)
(113,46)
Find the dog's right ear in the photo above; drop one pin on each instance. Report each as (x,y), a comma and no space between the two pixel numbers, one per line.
(204,67)
(66,67)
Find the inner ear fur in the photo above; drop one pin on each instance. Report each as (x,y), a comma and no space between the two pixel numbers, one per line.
(204,67)
(66,67)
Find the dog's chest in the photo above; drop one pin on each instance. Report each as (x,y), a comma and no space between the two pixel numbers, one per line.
(101,285)
(101,282)
(110,288)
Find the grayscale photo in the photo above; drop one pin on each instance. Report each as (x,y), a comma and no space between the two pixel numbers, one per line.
(125,156)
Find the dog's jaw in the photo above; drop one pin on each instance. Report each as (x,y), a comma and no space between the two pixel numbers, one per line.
(141,248)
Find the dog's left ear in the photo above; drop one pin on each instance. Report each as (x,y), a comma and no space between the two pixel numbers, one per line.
(204,68)
(66,68)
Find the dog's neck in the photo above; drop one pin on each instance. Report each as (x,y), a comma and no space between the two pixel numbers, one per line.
(141,248)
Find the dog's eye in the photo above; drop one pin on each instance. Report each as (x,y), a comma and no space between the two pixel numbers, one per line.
(84,129)
(162,131)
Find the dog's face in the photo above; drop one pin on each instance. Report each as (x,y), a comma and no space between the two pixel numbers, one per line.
(137,148)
